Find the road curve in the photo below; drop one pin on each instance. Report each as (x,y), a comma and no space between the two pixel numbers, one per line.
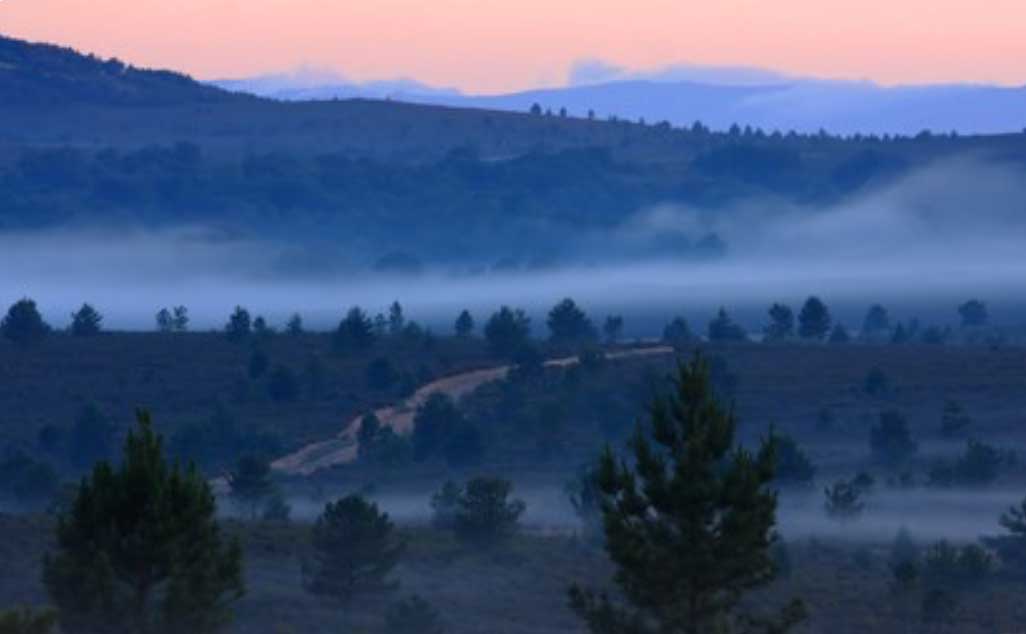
(343,447)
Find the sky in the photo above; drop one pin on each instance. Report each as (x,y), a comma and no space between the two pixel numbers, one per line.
(491,46)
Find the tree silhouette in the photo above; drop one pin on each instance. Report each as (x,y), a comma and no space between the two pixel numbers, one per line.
(140,550)
(688,520)
(507,331)
(355,333)
(23,324)
(569,324)
(973,314)
(464,325)
(613,328)
(890,438)
(781,324)
(250,482)
(876,323)
(86,321)
(813,320)
(355,549)
(239,326)
(723,329)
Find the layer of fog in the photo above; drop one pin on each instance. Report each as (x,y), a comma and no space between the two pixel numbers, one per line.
(928,514)
(938,237)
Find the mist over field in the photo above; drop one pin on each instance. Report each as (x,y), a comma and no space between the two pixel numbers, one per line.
(935,237)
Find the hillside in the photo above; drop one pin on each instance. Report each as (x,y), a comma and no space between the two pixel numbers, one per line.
(46,75)
(363,180)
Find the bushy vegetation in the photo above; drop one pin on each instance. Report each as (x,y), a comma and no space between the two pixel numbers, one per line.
(355,549)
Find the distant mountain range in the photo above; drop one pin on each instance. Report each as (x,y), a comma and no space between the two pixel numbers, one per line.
(718,97)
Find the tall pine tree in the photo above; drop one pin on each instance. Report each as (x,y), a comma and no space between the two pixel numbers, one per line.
(140,551)
(689,523)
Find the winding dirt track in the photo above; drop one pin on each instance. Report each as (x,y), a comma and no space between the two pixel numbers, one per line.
(343,447)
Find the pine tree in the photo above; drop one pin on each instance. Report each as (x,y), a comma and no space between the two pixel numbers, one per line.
(569,324)
(396,319)
(355,333)
(140,550)
(464,325)
(723,328)
(814,320)
(239,326)
(507,331)
(165,322)
(781,324)
(23,324)
(355,549)
(250,482)
(689,522)
(294,326)
(86,321)
(613,328)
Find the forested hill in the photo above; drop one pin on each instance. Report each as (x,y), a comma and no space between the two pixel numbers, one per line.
(46,75)
(126,147)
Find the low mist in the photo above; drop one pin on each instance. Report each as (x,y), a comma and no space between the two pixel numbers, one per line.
(942,234)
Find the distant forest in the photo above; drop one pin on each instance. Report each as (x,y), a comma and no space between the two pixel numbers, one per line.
(85,141)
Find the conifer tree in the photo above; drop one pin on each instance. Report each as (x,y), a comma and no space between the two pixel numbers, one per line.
(689,522)
(355,548)
(23,324)
(86,321)
(140,549)
(464,325)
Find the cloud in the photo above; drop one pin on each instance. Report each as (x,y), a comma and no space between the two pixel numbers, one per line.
(597,71)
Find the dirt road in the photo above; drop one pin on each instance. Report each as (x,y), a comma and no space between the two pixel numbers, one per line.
(343,447)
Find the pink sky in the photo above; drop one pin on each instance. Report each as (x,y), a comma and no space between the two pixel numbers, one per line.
(498,45)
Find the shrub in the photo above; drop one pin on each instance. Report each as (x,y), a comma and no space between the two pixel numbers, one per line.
(723,329)
(433,424)
(27,621)
(793,465)
(839,335)
(485,514)
(413,615)
(381,374)
(843,501)
(890,439)
(876,383)
(954,419)
(282,385)
(258,364)
(92,438)
(355,549)
(27,481)
(250,482)
(445,503)
(613,328)
(277,510)
(678,334)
